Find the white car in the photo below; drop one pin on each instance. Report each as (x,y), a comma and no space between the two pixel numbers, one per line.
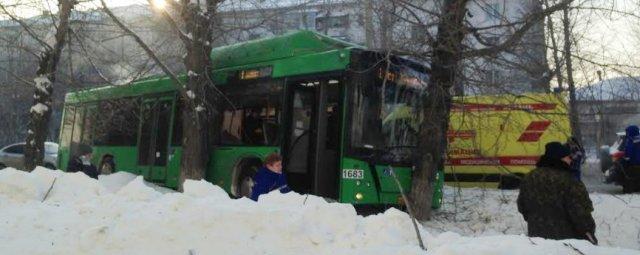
(13,155)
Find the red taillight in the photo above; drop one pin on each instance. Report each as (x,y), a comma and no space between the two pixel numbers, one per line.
(617,155)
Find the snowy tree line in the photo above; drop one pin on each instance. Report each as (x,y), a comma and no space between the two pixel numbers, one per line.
(71,49)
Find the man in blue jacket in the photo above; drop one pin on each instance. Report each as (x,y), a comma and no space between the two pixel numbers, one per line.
(269,177)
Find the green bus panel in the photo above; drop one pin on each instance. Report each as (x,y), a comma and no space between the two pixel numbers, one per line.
(365,186)
(368,186)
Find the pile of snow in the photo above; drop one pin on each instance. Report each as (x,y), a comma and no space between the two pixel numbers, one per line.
(85,216)
(485,212)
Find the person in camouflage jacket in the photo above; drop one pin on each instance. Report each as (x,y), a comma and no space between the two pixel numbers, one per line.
(555,204)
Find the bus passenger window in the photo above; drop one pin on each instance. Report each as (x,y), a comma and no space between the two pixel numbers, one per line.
(254,117)
(253,133)
(231,123)
(117,122)
(67,125)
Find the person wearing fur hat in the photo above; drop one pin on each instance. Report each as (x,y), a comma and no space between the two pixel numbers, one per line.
(81,162)
(553,202)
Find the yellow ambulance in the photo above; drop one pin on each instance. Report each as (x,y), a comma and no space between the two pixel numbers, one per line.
(495,140)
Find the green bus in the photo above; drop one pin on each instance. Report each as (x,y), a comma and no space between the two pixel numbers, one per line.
(339,114)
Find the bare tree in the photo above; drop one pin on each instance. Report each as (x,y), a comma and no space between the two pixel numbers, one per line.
(199,103)
(573,114)
(40,112)
(447,52)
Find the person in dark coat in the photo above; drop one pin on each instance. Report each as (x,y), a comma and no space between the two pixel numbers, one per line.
(631,161)
(269,178)
(555,204)
(577,156)
(632,146)
(81,162)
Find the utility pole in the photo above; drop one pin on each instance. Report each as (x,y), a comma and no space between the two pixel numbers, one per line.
(600,115)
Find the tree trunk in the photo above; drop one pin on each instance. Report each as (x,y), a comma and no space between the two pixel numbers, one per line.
(199,106)
(554,46)
(368,24)
(40,112)
(436,105)
(573,110)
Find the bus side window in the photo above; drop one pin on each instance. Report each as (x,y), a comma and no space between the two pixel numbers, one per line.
(89,122)
(117,122)
(76,134)
(67,125)
(254,119)
(232,127)
(176,138)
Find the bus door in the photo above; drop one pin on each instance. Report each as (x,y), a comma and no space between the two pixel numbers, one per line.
(154,137)
(311,152)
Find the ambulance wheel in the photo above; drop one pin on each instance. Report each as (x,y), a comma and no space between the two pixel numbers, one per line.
(509,182)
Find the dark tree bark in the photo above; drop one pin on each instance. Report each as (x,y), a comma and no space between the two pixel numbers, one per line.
(447,53)
(199,110)
(40,113)
(436,104)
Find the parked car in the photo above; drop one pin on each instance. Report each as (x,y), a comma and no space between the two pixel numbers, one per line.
(610,154)
(13,155)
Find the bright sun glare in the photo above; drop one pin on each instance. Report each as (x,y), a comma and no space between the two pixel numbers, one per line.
(160,4)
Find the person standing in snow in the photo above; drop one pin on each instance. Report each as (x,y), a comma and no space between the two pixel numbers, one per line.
(577,156)
(269,177)
(631,162)
(632,146)
(81,162)
(554,204)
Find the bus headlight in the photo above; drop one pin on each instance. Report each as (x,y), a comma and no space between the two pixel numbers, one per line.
(359,196)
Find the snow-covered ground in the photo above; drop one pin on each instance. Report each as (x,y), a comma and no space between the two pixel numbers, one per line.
(482,212)
(478,212)
(121,214)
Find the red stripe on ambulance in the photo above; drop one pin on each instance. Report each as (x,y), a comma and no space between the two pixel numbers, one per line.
(534,131)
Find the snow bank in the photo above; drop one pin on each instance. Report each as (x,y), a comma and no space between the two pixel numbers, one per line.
(113,216)
(485,212)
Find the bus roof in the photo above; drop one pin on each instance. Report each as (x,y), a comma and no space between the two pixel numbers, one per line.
(294,53)
(293,44)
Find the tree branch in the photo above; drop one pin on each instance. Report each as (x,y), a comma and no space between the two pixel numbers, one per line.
(178,83)
(26,28)
(530,21)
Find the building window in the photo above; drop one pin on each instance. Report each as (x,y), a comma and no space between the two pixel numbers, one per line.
(493,40)
(338,22)
(419,33)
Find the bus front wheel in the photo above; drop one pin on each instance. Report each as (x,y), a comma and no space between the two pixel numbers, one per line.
(244,180)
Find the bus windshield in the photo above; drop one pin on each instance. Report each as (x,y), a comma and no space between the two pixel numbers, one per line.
(386,111)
